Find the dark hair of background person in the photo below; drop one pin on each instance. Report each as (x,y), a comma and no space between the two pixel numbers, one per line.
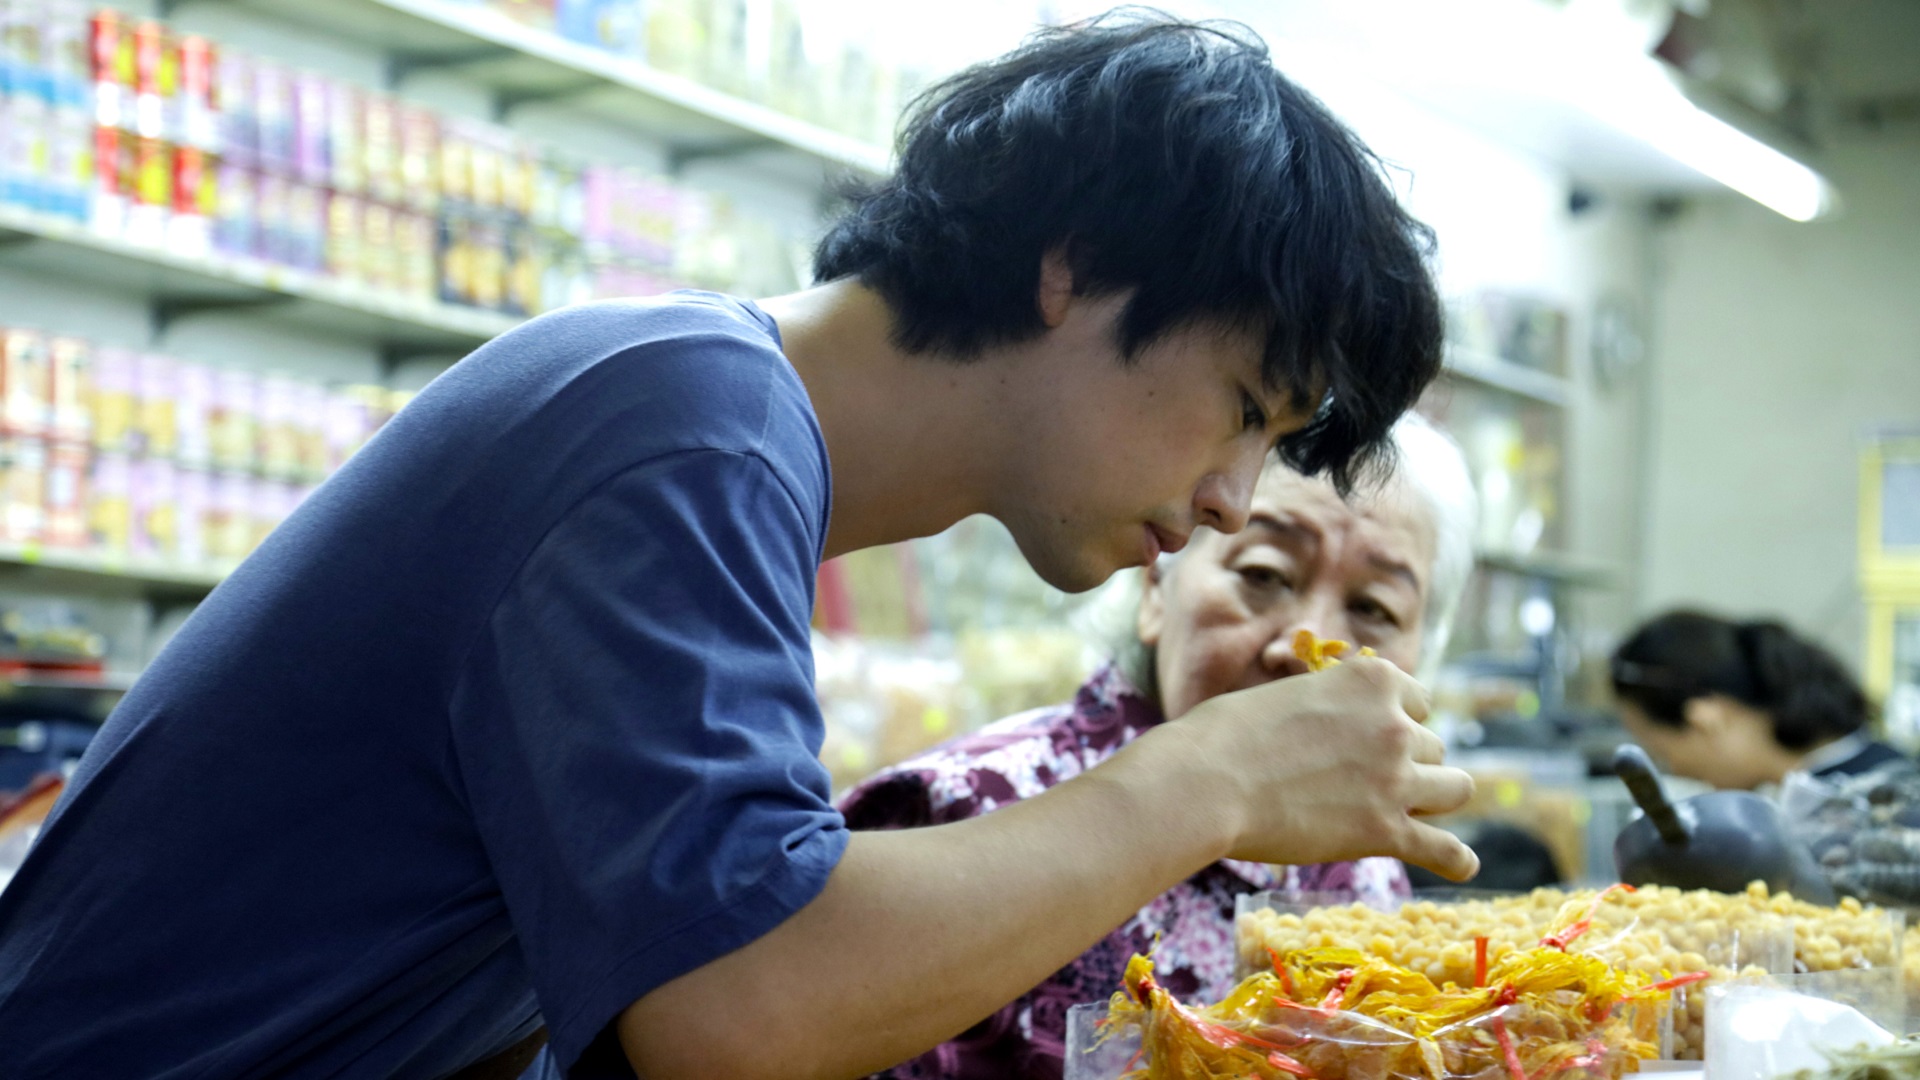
(1170,160)
(1804,689)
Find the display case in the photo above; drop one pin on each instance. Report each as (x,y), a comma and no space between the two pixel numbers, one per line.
(1890,579)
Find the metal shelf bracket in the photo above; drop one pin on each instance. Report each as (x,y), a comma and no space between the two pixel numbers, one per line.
(403,64)
(164,311)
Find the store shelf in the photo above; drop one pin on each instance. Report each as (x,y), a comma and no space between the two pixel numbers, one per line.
(1505,375)
(122,573)
(107,683)
(521,64)
(1551,566)
(183,285)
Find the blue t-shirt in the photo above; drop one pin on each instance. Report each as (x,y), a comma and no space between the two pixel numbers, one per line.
(510,723)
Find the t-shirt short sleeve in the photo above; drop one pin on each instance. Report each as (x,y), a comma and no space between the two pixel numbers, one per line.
(637,733)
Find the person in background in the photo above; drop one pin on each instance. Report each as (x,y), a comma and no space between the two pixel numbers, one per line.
(1739,705)
(1385,570)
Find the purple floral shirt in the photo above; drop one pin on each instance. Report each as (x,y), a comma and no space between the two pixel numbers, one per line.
(1022,756)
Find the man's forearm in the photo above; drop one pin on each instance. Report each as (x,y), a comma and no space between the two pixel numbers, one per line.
(920,933)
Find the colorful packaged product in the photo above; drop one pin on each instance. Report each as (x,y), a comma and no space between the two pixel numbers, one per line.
(311,129)
(197,115)
(23,485)
(279,443)
(70,369)
(381,148)
(68,464)
(379,259)
(156,430)
(193,497)
(233,90)
(110,503)
(273,120)
(273,222)
(114,403)
(152,199)
(194,391)
(195,201)
(346,232)
(154,531)
(69,171)
(111,50)
(236,225)
(346,137)
(229,526)
(112,189)
(306,234)
(156,77)
(422,186)
(348,425)
(235,418)
(26,385)
(310,428)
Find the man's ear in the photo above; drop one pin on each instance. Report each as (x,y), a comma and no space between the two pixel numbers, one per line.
(1056,287)
(1152,616)
(1708,714)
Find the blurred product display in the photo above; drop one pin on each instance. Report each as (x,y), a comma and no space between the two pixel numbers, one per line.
(178,142)
(141,456)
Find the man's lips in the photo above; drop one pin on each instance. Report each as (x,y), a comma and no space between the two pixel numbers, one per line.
(1159,540)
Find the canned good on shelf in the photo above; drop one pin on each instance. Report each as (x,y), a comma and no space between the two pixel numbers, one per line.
(23,485)
(70,374)
(110,503)
(26,393)
(68,466)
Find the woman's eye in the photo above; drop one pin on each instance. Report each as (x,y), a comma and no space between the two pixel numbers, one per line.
(1375,611)
(1252,416)
(1263,577)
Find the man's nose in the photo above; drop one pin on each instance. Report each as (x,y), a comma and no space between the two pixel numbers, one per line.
(1223,500)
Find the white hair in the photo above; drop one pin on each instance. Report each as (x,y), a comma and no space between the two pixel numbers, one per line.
(1430,465)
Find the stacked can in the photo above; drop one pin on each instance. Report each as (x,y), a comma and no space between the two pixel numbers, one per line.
(132,454)
(46,127)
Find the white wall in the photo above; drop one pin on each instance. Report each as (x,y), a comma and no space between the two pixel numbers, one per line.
(1776,346)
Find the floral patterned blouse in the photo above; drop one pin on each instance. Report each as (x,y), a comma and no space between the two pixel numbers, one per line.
(1022,756)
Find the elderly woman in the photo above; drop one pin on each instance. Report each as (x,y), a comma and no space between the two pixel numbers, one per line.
(1384,569)
(1740,704)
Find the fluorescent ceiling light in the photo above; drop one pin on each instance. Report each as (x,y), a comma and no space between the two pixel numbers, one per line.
(1590,57)
(1649,106)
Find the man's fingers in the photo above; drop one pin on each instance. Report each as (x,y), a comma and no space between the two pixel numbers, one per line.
(1440,851)
(1437,789)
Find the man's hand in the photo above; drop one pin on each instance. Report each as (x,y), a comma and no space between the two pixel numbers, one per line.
(1330,766)
(956,920)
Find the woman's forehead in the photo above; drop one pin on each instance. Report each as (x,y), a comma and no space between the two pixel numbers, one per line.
(1392,517)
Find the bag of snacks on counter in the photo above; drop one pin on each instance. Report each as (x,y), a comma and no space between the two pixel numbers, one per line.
(1650,930)
(1337,1013)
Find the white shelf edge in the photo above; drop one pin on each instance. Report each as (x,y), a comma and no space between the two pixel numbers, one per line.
(131,569)
(1550,565)
(485,24)
(1492,371)
(449,319)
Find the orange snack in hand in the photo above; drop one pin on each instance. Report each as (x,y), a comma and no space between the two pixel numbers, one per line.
(1320,655)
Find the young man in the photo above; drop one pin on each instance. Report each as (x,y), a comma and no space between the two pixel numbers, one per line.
(512,726)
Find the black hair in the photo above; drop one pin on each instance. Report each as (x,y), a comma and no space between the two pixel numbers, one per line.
(1803,689)
(1171,159)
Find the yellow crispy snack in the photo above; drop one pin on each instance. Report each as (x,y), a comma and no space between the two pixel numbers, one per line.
(1320,655)
(1340,1014)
